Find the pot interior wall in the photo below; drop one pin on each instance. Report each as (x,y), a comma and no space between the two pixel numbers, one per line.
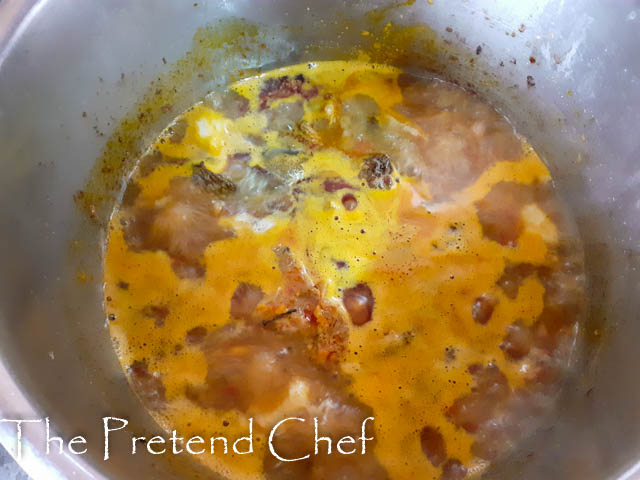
(75,70)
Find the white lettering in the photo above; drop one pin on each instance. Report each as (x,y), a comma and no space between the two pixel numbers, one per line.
(107,430)
(174,439)
(19,432)
(272,434)
(199,441)
(78,439)
(53,439)
(318,439)
(224,440)
(249,439)
(346,439)
(363,438)
(134,443)
(153,441)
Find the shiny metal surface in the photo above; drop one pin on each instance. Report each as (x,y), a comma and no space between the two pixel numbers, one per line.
(61,58)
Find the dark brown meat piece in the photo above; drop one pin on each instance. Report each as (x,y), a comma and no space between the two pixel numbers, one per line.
(376,171)
(500,212)
(513,276)
(482,308)
(359,303)
(285,87)
(196,335)
(433,445)
(334,184)
(564,293)
(472,410)
(517,341)
(148,386)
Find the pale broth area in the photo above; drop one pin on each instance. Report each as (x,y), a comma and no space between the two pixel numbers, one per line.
(342,240)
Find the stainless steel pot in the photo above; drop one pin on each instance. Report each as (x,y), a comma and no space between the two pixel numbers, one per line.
(71,73)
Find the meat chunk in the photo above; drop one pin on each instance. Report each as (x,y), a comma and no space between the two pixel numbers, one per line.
(255,370)
(359,303)
(517,341)
(148,386)
(298,307)
(285,87)
(182,224)
(285,117)
(349,202)
(433,445)
(247,369)
(260,192)
(482,308)
(245,299)
(376,171)
(513,276)
(472,410)
(229,103)
(334,184)
(500,212)
(463,137)
(196,335)
(361,132)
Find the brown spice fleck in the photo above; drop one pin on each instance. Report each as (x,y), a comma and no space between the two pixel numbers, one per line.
(530,81)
